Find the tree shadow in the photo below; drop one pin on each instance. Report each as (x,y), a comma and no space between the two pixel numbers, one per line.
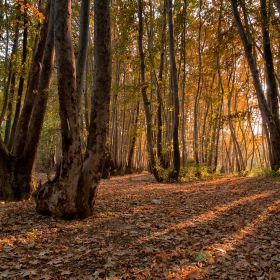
(220,229)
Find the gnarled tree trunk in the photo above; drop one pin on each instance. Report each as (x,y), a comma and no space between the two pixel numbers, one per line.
(72,194)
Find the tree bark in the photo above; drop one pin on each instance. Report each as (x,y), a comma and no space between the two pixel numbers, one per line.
(58,198)
(83,47)
(152,161)
(72,194)
(18,179)
(175,96)
(21,79)
(32,90)
(94,160)
(197,96)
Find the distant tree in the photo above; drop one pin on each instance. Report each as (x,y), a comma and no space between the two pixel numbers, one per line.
(149,134)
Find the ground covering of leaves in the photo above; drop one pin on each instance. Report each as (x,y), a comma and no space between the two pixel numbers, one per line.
(223,228)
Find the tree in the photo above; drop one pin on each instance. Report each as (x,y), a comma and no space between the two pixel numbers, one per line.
(17,163)
(146,102)
(269,106)
(72,194)
(174,89)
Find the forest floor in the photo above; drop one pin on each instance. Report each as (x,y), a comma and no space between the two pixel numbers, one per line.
(222,228)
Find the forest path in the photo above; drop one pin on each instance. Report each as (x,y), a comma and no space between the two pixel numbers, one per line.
(224,228)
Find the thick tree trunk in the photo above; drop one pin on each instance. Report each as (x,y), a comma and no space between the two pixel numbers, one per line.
(94,159)
(16,180)
(58,198)
(72,194)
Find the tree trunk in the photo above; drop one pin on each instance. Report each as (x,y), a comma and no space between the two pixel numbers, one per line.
(18,180)
(129,168)
(270,115)
(83,47)
(58,198)
(32,90)
(72,195)
(175,96)
(198,92)
(21,79)
(144,95)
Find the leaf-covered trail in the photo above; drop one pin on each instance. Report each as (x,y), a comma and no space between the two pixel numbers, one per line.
(226,228)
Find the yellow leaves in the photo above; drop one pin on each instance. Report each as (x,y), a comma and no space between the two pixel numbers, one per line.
(31,11)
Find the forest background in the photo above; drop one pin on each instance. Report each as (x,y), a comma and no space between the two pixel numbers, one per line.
(194,87)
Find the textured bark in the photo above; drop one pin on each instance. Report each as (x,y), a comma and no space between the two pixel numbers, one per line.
(175,96)
(83,47)
(94,160)
(18,178)
(72,193)
(37,118)
(32,90)
(4,168)
(272,89)
(58,198)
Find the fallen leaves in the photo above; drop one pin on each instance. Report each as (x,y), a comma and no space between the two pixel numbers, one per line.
(217,229)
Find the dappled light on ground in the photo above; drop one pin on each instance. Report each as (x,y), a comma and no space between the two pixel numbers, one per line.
(227,228)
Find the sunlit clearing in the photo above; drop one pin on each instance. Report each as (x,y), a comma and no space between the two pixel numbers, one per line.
(215,212)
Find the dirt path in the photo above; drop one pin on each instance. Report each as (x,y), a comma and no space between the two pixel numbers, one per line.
(227,228)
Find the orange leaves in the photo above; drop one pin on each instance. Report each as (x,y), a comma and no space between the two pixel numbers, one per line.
(197,231)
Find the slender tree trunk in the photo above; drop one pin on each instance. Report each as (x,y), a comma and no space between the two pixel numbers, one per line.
(197,96)
(83,47)
(11,74)
(21,79)
(183,108)
(133,142)
(144,95)
(19,180)
(175,94)
(159,87)
(32,90)
(269,115)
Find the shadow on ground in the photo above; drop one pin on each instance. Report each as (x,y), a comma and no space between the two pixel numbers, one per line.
(227,228)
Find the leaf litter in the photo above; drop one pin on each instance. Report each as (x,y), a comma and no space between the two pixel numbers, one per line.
(223,228)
